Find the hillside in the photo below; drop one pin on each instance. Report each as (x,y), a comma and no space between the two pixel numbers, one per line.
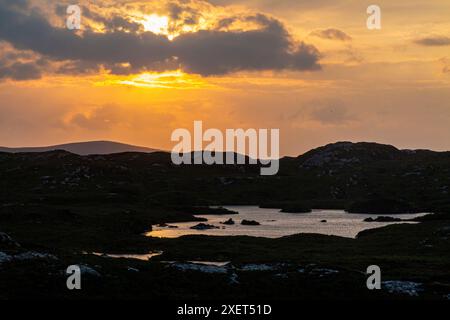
(84,148)
(331,176)
(57,206)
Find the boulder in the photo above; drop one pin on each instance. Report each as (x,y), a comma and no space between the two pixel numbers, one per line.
(228,222)
(250,223)
(204,226)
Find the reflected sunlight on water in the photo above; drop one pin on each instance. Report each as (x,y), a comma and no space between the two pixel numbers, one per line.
(276,224)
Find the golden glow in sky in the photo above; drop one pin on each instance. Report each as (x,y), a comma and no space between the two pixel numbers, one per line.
(228,69)
(167,80)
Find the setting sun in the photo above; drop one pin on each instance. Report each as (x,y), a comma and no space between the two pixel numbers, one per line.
(156,24)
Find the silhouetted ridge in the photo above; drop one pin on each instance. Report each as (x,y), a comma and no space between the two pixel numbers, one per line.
(84,148)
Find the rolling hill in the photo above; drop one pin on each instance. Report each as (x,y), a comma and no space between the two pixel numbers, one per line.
(84,148)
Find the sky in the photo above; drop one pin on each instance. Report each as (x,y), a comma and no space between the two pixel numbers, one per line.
(137,70)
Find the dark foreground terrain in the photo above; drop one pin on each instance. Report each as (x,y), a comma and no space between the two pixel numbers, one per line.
(57,208)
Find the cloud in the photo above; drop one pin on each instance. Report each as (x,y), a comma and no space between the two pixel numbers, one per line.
(117,117)
(445,65)
(206,52)
(101,118)
(183,12)
(278,4)
(332,114)
(19,65)
(433,41)
(78,67)
(269,48)
(20,71)
(119,23)
(332,34)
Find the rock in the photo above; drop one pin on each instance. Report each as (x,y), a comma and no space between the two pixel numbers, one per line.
(165,225)
(250,223)
(199,267)
(403,287)
(89,271)
(5,258)
(25,256)
(7,242)
(233,278)
(322,272)
(228,222)
(313,270)
(32,255)
(323,221)
(204,226)
(382,219)
(258,267)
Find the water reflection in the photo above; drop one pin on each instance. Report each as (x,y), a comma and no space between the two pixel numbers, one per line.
(275,224)
(143,257)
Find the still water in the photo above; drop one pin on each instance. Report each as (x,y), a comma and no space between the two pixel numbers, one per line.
(276,224)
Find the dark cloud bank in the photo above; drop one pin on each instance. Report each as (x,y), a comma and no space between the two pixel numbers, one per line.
(207,52)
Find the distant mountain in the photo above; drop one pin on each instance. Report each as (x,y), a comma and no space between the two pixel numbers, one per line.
(84,148)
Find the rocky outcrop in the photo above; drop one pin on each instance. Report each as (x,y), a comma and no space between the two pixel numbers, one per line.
(403,287)
(6,242)
(250,223)
(342,154)
(165,225)
(382,219)
(228,222)
(5,258)
(204,226)
(199,267)
(89,271)
(259,267)
(26,256)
